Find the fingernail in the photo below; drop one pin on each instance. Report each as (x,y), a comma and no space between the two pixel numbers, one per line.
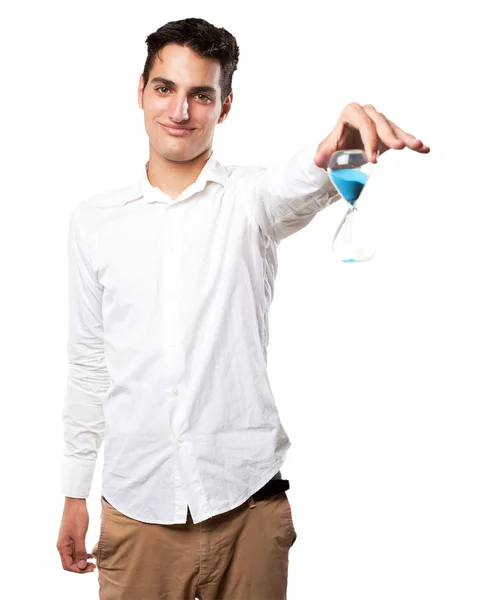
(82,564)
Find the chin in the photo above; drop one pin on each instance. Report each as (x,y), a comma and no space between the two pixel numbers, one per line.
(177,153)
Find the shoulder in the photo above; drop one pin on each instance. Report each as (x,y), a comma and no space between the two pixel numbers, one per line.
(109,198)
(245,173)
(88,214)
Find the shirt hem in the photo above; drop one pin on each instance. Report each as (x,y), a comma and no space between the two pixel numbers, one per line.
(258,485)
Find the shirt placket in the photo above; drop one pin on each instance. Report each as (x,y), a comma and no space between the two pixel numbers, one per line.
(170,305)
(173,355)
(186,473)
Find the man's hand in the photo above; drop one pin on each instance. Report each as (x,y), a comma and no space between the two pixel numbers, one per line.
(71,538)
(363,128)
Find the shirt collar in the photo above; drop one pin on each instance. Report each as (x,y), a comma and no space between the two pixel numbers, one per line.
(213,170)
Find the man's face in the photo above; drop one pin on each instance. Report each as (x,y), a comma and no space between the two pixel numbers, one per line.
(176,103)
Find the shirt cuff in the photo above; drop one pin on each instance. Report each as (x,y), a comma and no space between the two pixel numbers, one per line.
(77,477)
(318,176)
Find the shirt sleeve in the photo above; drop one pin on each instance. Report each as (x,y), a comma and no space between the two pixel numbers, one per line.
(87,378)
(286,197)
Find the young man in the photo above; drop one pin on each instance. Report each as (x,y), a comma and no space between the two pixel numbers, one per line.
(171,280)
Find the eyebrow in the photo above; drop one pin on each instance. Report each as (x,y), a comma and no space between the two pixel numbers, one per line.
(195,89)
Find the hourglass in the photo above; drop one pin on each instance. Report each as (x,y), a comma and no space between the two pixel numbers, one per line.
(349,170)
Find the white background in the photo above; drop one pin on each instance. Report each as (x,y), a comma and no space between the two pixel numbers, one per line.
(373,365)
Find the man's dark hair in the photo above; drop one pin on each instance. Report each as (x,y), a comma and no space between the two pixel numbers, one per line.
(203,38)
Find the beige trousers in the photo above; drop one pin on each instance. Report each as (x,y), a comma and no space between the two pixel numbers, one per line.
(241,554)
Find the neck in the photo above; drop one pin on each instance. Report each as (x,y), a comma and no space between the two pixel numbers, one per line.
(173,177)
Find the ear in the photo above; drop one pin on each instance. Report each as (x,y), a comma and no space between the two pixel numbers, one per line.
(226,108)
(140,92)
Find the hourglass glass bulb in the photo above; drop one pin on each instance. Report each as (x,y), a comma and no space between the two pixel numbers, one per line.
(349,171)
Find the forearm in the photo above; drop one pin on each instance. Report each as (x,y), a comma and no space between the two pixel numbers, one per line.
(84,426)
(286,197)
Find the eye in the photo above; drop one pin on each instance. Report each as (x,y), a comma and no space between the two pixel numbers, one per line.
(202,97)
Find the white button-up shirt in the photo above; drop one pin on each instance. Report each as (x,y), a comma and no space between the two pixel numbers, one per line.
(168,334)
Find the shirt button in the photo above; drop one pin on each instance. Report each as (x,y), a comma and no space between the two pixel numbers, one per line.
(180,440)
(176,392)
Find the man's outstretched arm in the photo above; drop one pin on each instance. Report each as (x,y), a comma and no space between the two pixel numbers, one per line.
(283,199)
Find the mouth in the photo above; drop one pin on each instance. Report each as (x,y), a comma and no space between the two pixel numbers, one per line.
(177,131)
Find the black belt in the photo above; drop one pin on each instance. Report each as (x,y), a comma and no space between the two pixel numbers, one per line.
(273,487)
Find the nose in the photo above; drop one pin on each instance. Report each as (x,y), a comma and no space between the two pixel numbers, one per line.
(181,111)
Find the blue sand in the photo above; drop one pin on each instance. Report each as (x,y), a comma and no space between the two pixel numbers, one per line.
(350,182)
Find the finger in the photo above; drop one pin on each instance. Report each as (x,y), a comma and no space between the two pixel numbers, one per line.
(70,565)
(66,551)
(88,569)
(355,115)
(411,141)
(384,129)
(423,149)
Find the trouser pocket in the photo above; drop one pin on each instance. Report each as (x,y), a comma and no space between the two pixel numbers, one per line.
(289,514)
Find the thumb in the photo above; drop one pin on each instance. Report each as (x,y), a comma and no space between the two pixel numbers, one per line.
(80,553)
(328,146)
